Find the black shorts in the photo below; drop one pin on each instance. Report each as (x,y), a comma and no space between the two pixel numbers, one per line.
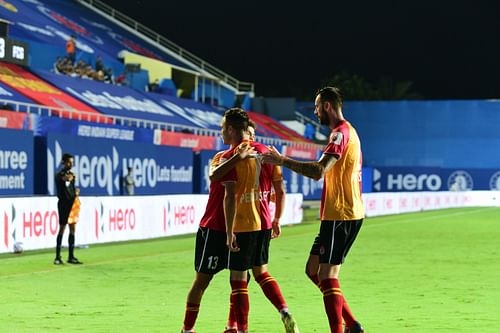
(262,248)
(63,209)
(244,259)
(211,251)
(334,240)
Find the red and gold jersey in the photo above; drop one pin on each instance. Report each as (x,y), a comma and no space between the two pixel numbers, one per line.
(214,212)
(253,188)
(268,174)
(341,198)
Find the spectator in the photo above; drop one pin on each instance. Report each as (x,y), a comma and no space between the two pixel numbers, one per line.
(99,65)
(128,182)
(154,86)
(71,49)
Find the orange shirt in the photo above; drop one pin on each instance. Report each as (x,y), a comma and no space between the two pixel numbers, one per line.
(246,174)
(341,198)
(70,46)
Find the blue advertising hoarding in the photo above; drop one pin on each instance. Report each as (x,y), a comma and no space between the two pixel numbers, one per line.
(100,165)
(405,179)
(43,125)
(16,162)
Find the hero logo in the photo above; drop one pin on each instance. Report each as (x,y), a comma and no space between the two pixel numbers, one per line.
(183,214)
(408,182)
(460,180)
(122,219)
(495,181)
(95,171)
(104,171)
(40,223)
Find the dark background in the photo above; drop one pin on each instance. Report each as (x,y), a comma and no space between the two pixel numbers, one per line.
(448,49)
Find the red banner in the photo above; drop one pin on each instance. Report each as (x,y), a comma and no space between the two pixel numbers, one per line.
(45,94)
(305,153)
(11,119)
(270,127)
(196,142)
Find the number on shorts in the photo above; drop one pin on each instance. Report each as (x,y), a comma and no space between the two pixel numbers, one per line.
(212,262)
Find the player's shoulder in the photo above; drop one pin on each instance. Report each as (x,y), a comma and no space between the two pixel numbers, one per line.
(259,147)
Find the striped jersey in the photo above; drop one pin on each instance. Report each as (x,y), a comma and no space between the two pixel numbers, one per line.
(341,198)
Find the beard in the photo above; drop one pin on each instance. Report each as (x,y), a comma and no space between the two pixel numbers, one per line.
(323,117)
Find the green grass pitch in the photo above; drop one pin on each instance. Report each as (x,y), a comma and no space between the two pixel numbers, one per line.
(436,271)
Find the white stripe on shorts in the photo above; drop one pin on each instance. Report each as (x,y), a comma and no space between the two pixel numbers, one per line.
(333,242)
(204,247)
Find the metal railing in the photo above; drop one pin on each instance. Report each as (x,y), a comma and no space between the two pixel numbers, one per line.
(240,86)
(95,117)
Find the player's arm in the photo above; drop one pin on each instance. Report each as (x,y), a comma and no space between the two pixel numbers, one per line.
(230,214)
(311,169)
(279,190)
(220,170)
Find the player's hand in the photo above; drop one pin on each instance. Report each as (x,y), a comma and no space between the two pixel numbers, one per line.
(276,229)
(272,156)
(245,149)
(231,242)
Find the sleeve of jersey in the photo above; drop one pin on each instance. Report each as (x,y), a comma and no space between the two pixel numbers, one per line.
(337,144)
(231,175)
(216,159)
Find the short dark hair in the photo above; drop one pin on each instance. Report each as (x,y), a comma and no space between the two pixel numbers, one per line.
(237,118)
(66,157)
(332,95)
(252,124)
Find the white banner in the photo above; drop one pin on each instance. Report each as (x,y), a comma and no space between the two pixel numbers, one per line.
(33,222)
(406,202)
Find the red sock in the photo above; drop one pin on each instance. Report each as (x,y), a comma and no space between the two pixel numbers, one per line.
(231,320)
(315,279)
(190,315)
(347,314)
(333,299)
(272,290)
(241,306)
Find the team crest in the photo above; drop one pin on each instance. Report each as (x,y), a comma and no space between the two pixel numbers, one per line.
(336,138)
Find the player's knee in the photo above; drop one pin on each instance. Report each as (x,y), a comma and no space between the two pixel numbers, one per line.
(201,282)
(311,270)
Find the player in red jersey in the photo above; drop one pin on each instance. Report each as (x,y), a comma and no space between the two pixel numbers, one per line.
(211,251)
(270,178)
(341,211)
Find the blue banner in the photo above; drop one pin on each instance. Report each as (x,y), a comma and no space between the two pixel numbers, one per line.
(204,158)
(100,165)
(16,162)
(403,179)
(43,125)
(126,102)
(294,183)
(200,115)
